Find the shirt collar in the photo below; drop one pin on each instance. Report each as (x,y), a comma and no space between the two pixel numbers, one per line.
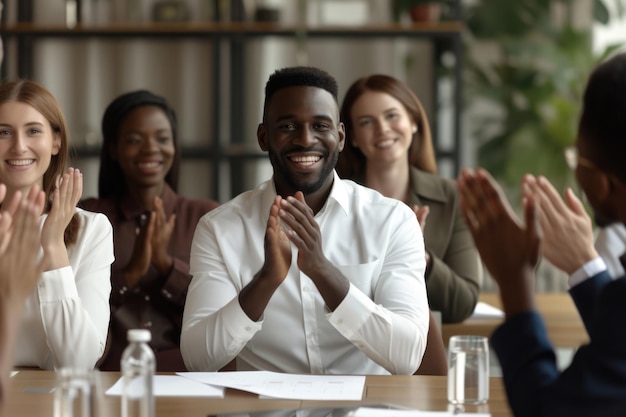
(338,193)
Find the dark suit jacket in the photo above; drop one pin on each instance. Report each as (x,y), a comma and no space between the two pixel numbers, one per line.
(453,280)
(595,382)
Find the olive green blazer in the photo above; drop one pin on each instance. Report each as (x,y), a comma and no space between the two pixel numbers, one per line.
(454,278)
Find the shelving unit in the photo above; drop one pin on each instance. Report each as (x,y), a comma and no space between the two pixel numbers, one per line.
(446,36)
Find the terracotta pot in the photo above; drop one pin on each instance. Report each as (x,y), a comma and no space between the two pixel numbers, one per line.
(427,12)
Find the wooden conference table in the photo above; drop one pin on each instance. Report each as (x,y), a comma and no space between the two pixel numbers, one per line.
(565,327)
(29,395)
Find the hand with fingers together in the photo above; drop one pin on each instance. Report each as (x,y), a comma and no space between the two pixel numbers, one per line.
(161,234)
(19,268)
(151,243)
(255,297)
(277,246)
(305,234)
(509,249)
(568,231)
(63,206)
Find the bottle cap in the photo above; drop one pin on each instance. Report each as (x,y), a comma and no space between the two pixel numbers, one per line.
(139,335)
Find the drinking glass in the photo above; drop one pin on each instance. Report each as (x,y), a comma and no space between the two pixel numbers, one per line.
(468,370)
(78,393)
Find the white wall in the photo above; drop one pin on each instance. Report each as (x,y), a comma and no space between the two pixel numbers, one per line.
(615,32)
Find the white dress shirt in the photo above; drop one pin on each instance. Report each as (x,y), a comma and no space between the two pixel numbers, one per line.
(66,319)
(379,328)
(611,245)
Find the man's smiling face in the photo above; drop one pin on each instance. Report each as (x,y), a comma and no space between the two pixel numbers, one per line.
(303,136)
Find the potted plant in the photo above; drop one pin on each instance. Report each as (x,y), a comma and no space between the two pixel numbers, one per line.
(418,10)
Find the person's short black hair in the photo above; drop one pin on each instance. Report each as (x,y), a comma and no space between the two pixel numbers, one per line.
(299,77)
(111,182)
(603,120)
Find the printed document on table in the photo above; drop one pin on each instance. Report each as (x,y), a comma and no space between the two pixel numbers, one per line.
(390,412)
(484,310)
(175,386)
(286,386)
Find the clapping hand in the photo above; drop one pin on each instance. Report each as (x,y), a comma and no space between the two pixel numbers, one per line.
(277,247)
(151,245)
(19,250)
(254,297)
(304,232)
(509,249)
(568,232)
(64,199)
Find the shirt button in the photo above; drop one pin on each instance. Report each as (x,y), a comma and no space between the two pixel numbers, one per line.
(148,324)
(147,298)
(167,294)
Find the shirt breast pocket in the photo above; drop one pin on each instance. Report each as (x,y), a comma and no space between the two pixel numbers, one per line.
(363,276)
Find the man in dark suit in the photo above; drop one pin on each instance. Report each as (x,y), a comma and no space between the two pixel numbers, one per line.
(595,382)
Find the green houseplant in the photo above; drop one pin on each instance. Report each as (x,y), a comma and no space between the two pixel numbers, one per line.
(534,84)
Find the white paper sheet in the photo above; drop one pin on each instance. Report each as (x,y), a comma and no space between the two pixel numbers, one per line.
(484,310)
(286,386)
(386,412)
(175,386)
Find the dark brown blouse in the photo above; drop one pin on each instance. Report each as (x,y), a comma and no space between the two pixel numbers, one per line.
(157,302)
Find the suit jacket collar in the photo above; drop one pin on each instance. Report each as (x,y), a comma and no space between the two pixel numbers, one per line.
(423,188)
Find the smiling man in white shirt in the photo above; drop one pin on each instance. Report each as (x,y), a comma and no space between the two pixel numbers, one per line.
(307,273)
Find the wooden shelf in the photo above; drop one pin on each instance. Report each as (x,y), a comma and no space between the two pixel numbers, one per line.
(228,41)
(204,30)
(191,152)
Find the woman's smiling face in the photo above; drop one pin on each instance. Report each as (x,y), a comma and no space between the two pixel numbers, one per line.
(27,143)
(145,147)
(382,128)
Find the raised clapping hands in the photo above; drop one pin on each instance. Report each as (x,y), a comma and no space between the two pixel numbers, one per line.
(151,245)
(304,232)
(19,247)
(19,267)
(291,220)
(277,247)
(64,199)
(510,250)
(568,231)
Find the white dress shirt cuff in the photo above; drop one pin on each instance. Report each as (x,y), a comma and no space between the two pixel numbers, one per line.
(588,270)
(57,285)
(352,313)
(238,321)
